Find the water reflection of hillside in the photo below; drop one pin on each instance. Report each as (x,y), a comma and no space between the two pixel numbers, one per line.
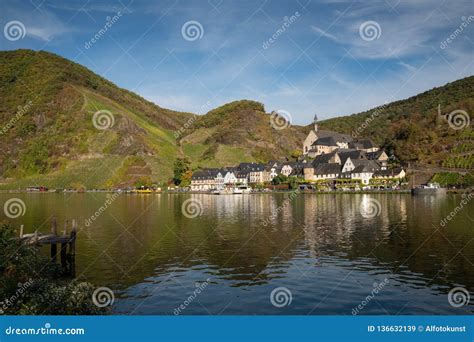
(404,238)
(250,240)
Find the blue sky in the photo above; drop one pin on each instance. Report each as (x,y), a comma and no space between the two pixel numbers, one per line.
(320,62)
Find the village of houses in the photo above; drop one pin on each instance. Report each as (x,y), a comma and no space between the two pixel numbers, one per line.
(329,161)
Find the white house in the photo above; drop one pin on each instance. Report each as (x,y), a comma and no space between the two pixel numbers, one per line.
(230,178)
(207,179)
(398,173)
(361,169)
(255,172)
(286,170)
(242,177)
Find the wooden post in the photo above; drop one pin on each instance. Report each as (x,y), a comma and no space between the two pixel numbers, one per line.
(21,231)
(72,249)
(63,256)
(64,249)
(65,228)
(54,247)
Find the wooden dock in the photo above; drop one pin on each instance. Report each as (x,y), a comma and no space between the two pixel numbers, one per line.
(67,244)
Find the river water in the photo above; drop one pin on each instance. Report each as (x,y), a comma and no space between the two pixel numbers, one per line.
(338,254)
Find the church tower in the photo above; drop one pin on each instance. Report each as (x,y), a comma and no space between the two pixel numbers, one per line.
(315,122)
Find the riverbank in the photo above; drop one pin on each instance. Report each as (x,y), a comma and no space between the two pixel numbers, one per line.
(314,192)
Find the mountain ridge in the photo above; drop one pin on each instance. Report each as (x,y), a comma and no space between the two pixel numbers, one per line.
(54,142)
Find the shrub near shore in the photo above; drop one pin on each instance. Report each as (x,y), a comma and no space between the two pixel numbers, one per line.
(32,285)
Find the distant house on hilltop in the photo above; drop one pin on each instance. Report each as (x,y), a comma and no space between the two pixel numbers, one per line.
(321,141)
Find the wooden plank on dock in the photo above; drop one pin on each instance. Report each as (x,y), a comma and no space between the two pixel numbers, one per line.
(68,243)
(54,247)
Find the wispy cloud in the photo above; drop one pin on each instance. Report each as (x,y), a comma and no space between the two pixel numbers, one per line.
(320,64)
(407,66)
(125,7)
(323,33)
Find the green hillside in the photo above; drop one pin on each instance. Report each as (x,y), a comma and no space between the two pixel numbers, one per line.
(414,130)
(48,137)
(54,142)
(237,132)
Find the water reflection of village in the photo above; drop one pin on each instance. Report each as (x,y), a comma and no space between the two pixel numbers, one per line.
(249,240)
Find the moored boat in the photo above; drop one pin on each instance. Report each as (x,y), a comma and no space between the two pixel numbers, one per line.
(429,189)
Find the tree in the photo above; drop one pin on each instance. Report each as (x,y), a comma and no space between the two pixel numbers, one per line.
(296,154)
(279,179)
(33,285)
(143,181)
(293,182)
(186,178)
(181,166)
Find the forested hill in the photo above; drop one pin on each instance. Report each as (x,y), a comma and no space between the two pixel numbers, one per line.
(414,130)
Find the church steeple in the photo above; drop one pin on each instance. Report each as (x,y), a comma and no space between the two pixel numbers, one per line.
(315,122)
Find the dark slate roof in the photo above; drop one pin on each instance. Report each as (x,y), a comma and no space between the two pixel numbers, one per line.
(363,144)
(199,175)
(242,174)
(326,169)
(326,141)
(364,166)
(337,136)
(375,155)
(273,163)
(350,153)
(297,168)
(251,167)
(207,174)
(323,158)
